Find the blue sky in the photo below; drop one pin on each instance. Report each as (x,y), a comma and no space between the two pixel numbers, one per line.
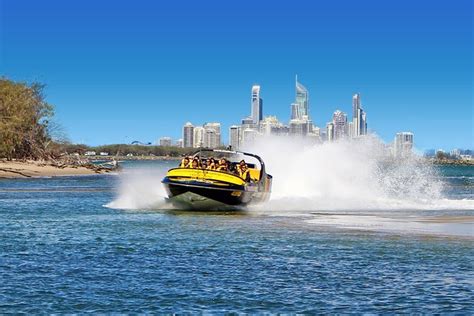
(119,71)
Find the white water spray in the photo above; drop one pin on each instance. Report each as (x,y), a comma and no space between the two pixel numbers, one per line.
(344,175)
(140,189)
(348,175)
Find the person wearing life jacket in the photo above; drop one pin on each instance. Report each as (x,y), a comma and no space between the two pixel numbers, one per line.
(222,166)
(184,163)
(243,171)
(239,165)
(194,164)
(211,164)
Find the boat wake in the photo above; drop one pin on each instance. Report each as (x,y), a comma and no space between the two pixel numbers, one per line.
(350,175)
(303,205)
(331,177)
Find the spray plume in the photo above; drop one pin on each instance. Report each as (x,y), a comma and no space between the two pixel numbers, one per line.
(344,175)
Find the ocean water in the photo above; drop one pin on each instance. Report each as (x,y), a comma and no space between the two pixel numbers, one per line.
(109,243)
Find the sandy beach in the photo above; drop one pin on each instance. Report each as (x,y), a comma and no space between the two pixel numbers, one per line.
(16,169)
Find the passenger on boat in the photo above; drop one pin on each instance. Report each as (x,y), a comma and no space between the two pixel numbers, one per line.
(243,170)
(223,165)
(184,163)
(203,164)
(240,164)
(195,164)
(211,164)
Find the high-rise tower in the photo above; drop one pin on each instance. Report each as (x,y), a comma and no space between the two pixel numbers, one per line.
(198,139)
(234,137)
(188,135)
(257,105)
(403,144)
(339,120)
(302,99)
(359,120)
(212,135)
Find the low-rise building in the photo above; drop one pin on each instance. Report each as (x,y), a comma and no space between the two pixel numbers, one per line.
(165,141)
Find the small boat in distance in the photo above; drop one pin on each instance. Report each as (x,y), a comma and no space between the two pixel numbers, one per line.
(196,185)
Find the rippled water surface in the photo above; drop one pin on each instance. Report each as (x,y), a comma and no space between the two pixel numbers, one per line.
(63,251)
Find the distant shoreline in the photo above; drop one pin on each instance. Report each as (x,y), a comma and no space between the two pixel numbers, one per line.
(35,169)
(448,162)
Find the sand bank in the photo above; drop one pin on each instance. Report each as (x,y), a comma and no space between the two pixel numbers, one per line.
(16,169)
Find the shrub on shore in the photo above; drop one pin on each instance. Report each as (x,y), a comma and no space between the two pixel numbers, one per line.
(24,120)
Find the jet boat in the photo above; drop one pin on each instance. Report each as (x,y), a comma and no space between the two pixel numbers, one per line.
(205,189)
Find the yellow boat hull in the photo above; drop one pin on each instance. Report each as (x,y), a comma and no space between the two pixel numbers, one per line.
(197,189)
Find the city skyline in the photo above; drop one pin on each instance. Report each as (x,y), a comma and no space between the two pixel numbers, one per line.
(259,125)
(256,125)
(116,82)
(299,124)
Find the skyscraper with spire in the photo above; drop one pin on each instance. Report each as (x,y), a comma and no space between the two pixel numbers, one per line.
(300,123)
(302,100)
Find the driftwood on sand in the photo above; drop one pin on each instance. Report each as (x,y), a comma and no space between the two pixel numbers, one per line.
(53,167)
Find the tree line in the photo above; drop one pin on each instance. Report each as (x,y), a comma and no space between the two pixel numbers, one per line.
(122,149)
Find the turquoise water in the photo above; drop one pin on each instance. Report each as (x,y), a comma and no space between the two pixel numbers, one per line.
(65,249)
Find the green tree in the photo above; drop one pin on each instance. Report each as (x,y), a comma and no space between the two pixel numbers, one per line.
(24,117)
